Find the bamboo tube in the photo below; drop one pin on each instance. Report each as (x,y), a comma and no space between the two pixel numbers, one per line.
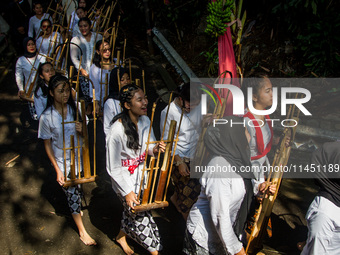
(94,132)
(63,130)
(118,59)
(124,48)
(166,163)
(138,83)
(143,77)
(73,159)
(146,192)
(86,151)
(118,77)
(130,71)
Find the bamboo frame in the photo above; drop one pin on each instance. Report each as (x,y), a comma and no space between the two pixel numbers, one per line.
(281,158)
(156,177)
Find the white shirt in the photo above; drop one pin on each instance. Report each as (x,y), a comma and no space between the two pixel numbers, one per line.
(212,217)
(23,67)
(40,102)
(97,76)
(87,49)
(111,109)
(116,151)
(47,46)
(50,127)
(189,130)
(34,25)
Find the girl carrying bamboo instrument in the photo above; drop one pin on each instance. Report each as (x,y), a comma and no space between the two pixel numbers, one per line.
(126,149)
(49,40)
(186,189)
(86,41)
(100,68)
(34,22)
(25,72)
(112,105)
(51,130)
(45,72)
(217,219)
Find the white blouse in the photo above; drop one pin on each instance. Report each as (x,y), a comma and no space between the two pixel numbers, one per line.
(50,127)
(111,109)
(34,25)
(87,49)
(212,217)
(189,130)
(97,76)
(47,45)
(23,69)
(119,156)
(40,102)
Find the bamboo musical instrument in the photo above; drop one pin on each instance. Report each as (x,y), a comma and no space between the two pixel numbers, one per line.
(154,190)
(281,158)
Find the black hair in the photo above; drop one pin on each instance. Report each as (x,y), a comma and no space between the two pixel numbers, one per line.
(45,20)
(55,81)
(86,19)
(188,93)
(125,95)
(37,2)
(40,82)
(255,82)
(113,82)
(80,8)
(97,57)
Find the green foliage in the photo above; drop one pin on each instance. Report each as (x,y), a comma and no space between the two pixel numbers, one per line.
(219,15)
(211,56)
(315,24)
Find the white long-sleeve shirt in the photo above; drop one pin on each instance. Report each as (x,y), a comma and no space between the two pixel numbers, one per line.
(119,157)
(23,69)
(97,76)
(34,25)
(111,109)
(87,49)
(189,130)
(40,102)
(47,45)
(212,217)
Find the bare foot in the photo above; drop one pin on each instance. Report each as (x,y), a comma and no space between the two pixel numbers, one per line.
(121,239)
(87,239)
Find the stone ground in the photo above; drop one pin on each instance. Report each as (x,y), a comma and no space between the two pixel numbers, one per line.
(34,217)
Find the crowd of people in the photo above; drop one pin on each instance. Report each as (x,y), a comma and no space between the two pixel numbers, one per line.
(219,210)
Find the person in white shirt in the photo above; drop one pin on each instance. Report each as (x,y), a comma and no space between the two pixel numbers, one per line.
(25,72)
(186,189)
(112,105)
(48,41)
(61,107)
(84,48)
(80,13)
(34,22)
(74,16)
(45,72)
(216,221)
(125,155)
(100,68)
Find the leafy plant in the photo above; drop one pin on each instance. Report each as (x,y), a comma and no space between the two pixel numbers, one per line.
(219,15)
(315,24)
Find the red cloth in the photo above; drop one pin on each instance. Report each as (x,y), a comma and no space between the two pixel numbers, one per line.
(259,137)
(227,62)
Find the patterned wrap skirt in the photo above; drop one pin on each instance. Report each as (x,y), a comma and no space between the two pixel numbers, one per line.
(140,227)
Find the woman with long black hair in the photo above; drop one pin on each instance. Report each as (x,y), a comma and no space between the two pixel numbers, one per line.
(125,155)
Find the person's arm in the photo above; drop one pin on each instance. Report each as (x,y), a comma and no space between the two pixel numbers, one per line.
(19,77)
(31,27)
(114,165)
(75,53)
(219,193)
(50,154)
